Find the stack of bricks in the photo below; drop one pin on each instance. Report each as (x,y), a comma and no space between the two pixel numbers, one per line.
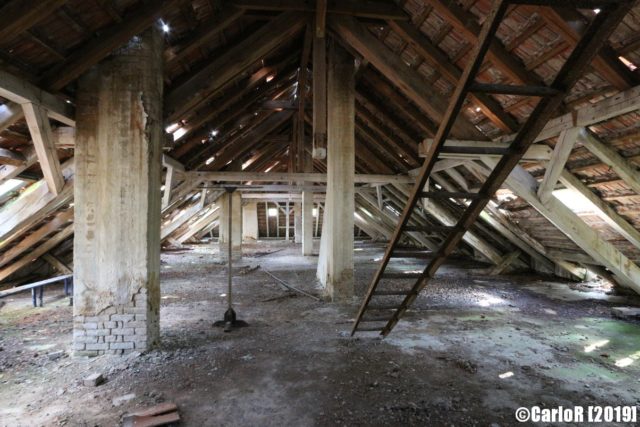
(116,330)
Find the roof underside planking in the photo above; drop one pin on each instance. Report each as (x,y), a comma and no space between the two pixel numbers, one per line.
(239,91)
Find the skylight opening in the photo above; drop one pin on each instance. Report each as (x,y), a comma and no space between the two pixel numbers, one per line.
(630,65)
(574,201)
(10,185)
(172,128)
(179,133)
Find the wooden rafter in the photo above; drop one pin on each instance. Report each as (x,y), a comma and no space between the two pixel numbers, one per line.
(194,91)
(405,79)
(98,48)
(375,10)
(18,16)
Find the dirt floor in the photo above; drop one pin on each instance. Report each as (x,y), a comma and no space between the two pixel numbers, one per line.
(474,349)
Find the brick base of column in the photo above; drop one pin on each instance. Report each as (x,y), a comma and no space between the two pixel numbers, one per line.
(116,330)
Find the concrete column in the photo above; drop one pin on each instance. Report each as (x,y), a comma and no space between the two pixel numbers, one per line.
(307,223)
(297,222)
(236,226)
(250,222)
(335,266)
(117,201)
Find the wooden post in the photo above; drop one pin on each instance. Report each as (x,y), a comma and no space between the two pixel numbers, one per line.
(319,98)
(169,181)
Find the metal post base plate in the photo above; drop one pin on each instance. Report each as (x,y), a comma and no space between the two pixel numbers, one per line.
(230,321)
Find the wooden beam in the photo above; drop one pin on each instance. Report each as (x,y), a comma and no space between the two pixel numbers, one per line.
(41,134)
(169,181)
(623,168)
(98,48)
(536,152)
(10,113)
(17,16)
(249,141)
(319,98)
(321,17)
(467,25)
(303,77)
(240,58)
(212,215)
(21,92)
(570,256)
(8,157)
(170,162)
(561,154)
(204,35)
(388,94)
(57,264)
(369,9)
(37,252)
(61,220)
(566,21)
(32,206)
(408,81)
(627,273)
(604,211)
(285,177)
(392,220)
(179,221)
(617,105)
(506,261)
(491,108)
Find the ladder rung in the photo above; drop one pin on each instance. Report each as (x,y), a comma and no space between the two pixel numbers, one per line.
(488,151)
(368,329)
(401,275)
(382,307)
(521,90)
(391,293)
(449,195)
(429,228)
(411,254)
(374,319)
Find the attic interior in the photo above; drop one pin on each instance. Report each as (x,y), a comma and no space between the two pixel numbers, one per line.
(318,212)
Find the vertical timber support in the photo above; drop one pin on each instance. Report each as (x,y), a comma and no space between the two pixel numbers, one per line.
(319,98)
(250,222)
(335,266)
(236,232)
(117,213)
(297,222)
(307,223)
(169,181)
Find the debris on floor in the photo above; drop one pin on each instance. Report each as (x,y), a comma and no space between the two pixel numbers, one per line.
(159,415)
(626,312)
(93,380)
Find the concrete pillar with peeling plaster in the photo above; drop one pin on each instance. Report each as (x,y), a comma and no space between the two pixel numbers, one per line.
(117,201)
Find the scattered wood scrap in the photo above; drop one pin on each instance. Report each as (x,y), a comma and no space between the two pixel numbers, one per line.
(159,415)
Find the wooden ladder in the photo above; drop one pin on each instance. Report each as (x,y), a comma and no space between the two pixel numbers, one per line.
(376,313)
